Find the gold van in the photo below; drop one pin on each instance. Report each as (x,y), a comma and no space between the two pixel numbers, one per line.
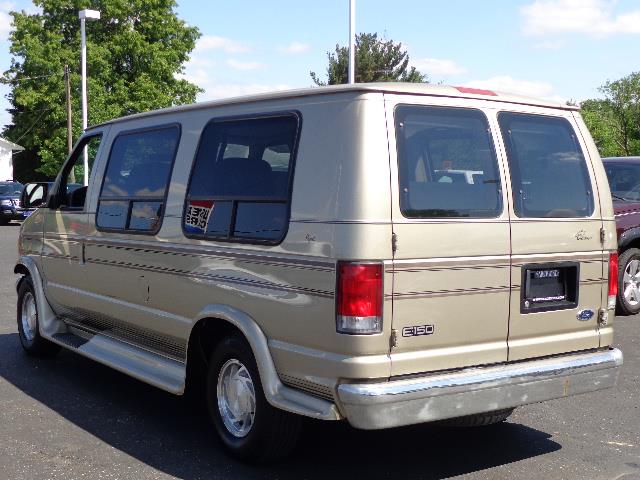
(385,254)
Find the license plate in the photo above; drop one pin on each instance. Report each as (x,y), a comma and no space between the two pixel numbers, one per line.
(546,273)
(26,213)
(549,287)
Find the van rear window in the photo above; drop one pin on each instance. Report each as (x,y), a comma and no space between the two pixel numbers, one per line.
(549,175)
(447,163)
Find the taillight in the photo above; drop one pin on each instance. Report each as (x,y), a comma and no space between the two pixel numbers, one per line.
(613,279)
(359,298)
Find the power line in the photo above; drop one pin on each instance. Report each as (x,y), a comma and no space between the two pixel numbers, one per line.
(16,80)
(34,123)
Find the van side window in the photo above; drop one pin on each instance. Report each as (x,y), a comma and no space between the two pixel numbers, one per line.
(136,180)
(241,180)
(72,192)
(549,175)
(447,163)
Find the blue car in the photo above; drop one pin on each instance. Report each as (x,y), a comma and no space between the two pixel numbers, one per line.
(10,208)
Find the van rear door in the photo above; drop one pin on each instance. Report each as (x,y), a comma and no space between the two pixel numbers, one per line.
(558,262)
(451,226)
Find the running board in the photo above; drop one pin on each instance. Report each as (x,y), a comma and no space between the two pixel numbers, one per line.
(157,370)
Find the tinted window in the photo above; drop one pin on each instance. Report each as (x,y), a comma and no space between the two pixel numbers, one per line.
(113,214)
(241,179)
(549,175)
(447,164)
(137,179)
(145,215)
(260,220)
(140,164)
(624,180)
(71,191)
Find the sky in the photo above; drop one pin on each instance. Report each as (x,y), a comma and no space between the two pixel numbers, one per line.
(559,49)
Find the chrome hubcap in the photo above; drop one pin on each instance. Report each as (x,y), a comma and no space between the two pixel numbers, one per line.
(631,283)
(236,398)
(29,317)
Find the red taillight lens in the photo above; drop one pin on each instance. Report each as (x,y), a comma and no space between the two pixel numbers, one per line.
(359,298)
(613,279)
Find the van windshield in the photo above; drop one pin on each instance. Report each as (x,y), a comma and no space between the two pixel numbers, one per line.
(549,175)
(447,163)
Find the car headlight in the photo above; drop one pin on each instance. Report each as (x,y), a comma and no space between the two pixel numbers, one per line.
(6,203)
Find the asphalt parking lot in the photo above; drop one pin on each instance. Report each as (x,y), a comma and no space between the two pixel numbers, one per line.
(71,418)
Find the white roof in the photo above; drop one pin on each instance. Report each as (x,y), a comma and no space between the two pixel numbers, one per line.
(11,145)
(388,87)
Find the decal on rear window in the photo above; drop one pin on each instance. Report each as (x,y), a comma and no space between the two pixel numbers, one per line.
(197,217)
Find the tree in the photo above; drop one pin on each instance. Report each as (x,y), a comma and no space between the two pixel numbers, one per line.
(377,60)
(599,119)
(614,122)
(134,54)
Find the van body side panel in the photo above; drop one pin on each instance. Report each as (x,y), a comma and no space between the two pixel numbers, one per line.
(451,275)
(339,211)
(553,244)
(353,147)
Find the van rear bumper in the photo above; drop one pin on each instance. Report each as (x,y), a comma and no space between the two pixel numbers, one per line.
(475,390)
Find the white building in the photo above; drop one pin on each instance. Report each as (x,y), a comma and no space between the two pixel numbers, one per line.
(6,158)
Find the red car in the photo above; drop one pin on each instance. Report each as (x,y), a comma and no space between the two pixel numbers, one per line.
(624,180)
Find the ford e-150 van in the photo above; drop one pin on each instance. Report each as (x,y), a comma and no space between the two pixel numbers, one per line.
(314,253)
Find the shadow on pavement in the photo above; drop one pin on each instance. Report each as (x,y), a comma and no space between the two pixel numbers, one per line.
(166,433)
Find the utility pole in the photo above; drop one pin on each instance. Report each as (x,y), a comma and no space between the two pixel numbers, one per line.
(352,41)
(69,122)
(67,83)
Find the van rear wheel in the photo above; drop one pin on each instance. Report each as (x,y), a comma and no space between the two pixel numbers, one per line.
(248,426)
(628,301)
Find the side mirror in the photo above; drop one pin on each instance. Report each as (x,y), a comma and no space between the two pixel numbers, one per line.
(34,195)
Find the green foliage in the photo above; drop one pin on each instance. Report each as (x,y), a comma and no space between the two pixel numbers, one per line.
(377,60)
(133,55)
(614,122)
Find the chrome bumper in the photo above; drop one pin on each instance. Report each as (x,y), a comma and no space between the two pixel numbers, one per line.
(476,390)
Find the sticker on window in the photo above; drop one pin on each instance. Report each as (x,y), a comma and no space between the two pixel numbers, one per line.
(198,215)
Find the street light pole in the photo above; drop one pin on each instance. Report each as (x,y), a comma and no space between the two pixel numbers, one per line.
(85,15)
(67,88)
(352,41)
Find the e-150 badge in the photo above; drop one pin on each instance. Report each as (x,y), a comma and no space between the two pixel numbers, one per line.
(417,330)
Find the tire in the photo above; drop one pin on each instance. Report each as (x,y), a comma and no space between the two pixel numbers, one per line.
(28,325)
(480,419)
(4,221)
(628,304)
(271,433)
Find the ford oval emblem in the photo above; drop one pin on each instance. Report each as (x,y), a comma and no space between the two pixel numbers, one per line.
(584,315)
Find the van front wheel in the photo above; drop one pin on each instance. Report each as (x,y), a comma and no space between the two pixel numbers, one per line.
(249,428)
(28,322)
